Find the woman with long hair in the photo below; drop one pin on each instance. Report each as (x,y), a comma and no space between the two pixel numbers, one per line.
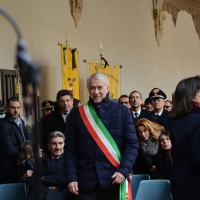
(185,137)
(148,133)
(164,162)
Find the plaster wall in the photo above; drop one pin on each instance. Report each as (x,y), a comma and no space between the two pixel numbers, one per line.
(126,31)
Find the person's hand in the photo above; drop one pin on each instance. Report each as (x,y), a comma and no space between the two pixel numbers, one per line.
(153,169)
(27,174)
(73,187)
(118,178)
(40,153)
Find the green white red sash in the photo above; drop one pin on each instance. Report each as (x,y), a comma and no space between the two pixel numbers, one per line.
(105,142)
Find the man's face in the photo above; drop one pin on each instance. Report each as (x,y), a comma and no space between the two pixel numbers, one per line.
(168,106)
(158,104)
(65,103)
(56,146)
(125,101)
(14,109)
(97,90)
(48,111)
(135,100)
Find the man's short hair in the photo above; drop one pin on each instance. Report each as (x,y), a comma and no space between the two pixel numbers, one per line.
(98,76)
(123,96)
(11,99)
(64,93)
(135,92)
(54,135)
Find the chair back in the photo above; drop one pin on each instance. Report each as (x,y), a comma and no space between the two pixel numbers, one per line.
(154,190)
(135,181)
(13,191)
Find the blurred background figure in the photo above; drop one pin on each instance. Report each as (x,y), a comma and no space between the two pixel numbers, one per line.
(76,103)
(185,137)
(148,133)
(124,99)
(168,105)
(2,110)
(164,162)
(26,162)
(148,104)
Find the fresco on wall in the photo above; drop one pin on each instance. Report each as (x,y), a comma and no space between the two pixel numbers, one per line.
(76,10)
(173,7)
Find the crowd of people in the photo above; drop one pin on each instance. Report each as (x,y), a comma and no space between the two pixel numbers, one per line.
(88,151)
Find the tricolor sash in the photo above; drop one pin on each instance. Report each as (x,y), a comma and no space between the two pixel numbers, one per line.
(106,143)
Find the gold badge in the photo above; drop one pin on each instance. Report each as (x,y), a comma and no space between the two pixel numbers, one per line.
(47,104)
(155,91)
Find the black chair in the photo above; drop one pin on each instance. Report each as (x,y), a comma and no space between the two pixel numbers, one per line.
(13,191)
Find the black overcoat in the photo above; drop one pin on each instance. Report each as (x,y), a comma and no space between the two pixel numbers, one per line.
(10,144)
(185,138)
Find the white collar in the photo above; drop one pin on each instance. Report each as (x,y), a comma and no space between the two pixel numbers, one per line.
(139,111)
(160,113)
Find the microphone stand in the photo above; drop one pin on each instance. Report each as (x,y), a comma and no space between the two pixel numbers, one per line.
(29,74)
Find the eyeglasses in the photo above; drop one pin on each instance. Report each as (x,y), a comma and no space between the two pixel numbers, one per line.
(125,102)
(167,106)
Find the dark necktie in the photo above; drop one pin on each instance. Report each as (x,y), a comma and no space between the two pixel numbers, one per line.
(157,117)
(136,115)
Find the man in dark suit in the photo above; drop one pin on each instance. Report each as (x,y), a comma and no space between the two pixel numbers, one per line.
(135,99)
(59,119)
(12,135)
(52,171)
(90,173)
(160,115)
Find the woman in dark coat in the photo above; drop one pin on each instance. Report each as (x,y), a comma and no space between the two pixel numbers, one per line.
(148,133)
(164,162)
(185,137)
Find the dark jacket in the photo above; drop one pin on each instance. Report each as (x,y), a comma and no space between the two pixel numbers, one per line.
(84,160)
(163,167)
(185,138)
(142,166)
(163,120)
(54,122)
(52,174)
(143,114)
(10,144)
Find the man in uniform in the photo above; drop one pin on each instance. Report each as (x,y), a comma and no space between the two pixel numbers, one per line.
(47,107)
(160,115)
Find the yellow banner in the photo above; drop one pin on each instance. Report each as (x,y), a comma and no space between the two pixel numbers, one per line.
(70,73)
(113,74)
